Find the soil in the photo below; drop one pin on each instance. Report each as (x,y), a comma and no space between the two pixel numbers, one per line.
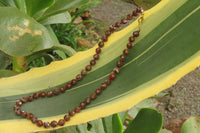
(184,98)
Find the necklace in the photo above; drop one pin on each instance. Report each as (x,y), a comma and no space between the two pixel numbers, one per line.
(93,96)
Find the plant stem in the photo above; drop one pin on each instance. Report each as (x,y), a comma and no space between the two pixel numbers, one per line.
(19,64)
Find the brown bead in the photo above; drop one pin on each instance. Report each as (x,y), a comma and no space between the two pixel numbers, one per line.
(119,63)
(139,9)
(112,28)
(23,114)
(35,95)
(77,109)
(71,113)
(16,107)
(96,56)
(134,13)
(66,117)
(56,92)
(129,45)
(131,39)
(82,105)
(49,93)
(92,62)
(54,123)
(62,89)
(116,70)
(30,116)
(87,100)
(68,85)
(34,119)
(18,112)
(108,81)
(30,98)
(88,67)
(61,122)
(73,81)
(23,99)
(126,51)
(108,33)
(101,44)
(79,77)
(93,96)
(19,103)
(112,76)
(136,33)
(83,72)
(98,50)
(98,91)
(129,16)
(46,124)
(39,123)
(123,21)
(117,24)
(123,57)
(103,86)
(42,94)
(105,38)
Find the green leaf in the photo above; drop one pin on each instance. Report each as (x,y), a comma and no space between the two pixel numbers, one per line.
(147,121)
(66,49)
(167,49)
(7,73)
(4,60)
(192,125)
(160,95)
(21,35)
(20,4)
(164,131)
(60,54)
(117,126)
(35,6)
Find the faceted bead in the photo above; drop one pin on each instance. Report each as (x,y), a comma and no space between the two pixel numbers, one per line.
(126,51)
(79,77)
(96,56)
(129,45)
(82,105)
(39,123)
(93,96)
(103,86)
(56,92)
(117,24)
(83,72)
(123,57)
(88,67)
(136,33)
(87,100)
(92,62)
(30,98)
(131,39)
(34,119)
(54,124)
(19,103)
(68,85)
(16,107)
(123,21)
(119,63)
(46,124)
(105,38)
(77,109)
(18,112)
(73,81)
(67,117)
(139,9)
(30,116)
(108,33)
(98,91)
(112,76)
(71,113)
(49,93)
(108,81)
(23,99)
(134,13)
(98,50)
(61,122)
(35,95)
(62,89)
(101,44)
(42,94)
(116,70)
(112,28)
(23,114)
(129,16)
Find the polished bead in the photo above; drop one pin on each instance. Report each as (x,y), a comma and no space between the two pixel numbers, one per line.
(79,77)
(18,112)
(103,86)
(96,56)
(54,123)
(34,119)
(30,98)
(98,91)
(107,81)
(123,57)
(117,24)
(129,45)
(136,33)
(73,81)
(131,39)
(30,116)
(92,62)
(61,122)
(87,100)
(123,21)
(112,76)
(16,107)
(101,44)
(46,124)
(126,51)
(88,67)
(66,117)
(93,96)
(35,95)
(112,28)
(129,16)
(39,123)
(98,50)
(77,109)
(134,13)
(116,70)
(23,99)
(49,93)
(68,85)
(119,63)
(23,114)
(108,33)
(83,72)
(71,113)
(82,105)
(19,103)
(62,89)
(105,38)
(56,92)
(139,9)
(42,94)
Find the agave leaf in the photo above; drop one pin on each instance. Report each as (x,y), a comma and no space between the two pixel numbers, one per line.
(167,49)
(192,125)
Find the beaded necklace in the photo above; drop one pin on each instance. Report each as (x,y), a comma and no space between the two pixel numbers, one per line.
(93,96)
